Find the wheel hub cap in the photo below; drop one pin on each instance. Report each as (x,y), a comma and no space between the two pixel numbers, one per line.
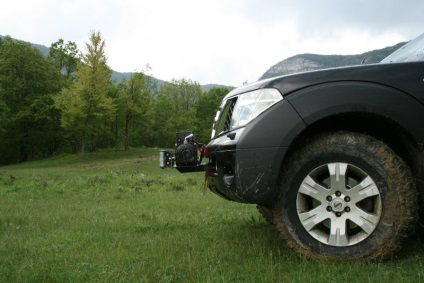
(338,205)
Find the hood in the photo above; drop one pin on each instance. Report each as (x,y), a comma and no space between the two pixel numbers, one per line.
(393,71)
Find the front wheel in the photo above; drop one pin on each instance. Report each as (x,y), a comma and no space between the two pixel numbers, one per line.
(266,213)
(345,196)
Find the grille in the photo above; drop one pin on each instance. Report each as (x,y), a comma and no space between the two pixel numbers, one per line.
(225,119)
(229,116)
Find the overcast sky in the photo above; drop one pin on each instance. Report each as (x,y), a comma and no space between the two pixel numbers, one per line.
(214,41)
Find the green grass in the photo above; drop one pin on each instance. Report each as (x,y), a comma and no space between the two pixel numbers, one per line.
(117,217)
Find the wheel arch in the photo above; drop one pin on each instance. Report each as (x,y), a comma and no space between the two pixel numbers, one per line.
(396,137)
(379,111)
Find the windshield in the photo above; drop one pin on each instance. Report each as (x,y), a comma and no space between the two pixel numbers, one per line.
(412,51)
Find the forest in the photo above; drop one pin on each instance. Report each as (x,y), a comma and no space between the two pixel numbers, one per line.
(66,102)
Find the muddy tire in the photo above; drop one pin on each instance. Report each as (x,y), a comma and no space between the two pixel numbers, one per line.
(345,196)
(267,213)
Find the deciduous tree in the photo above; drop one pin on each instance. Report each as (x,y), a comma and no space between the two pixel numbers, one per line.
(27,82)
(174,109)
(4,114)
(65,57)
(85,106)
(134,101)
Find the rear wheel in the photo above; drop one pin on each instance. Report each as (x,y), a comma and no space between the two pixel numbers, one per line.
(345,196)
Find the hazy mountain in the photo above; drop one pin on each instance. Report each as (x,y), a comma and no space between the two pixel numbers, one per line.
(295,64)
(118,76)
(310,62)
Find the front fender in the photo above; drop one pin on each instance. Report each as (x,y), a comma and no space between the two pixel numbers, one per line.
(325,100)
(261,149)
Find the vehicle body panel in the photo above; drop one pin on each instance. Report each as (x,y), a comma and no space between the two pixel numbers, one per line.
(363,97)
(255,155)
(247,163)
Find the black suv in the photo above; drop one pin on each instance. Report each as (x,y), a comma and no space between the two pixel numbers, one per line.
(334,158)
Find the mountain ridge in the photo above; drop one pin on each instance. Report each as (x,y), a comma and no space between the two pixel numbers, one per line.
(295,64)
(119,76)
(310,62)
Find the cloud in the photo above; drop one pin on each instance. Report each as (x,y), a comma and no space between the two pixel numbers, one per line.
(220,41)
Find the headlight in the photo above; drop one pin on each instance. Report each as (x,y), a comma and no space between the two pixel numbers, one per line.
(251,104)
(239,110)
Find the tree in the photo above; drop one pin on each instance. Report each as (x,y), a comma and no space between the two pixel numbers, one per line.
(134,101)
(65,57)
(174,110)
(4,114)
(4,110)
(27,82)
(161,114)
(206,108)
(85,106)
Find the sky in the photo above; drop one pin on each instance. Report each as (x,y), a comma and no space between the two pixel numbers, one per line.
(227,42)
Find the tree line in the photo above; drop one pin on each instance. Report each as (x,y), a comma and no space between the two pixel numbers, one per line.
(67,102)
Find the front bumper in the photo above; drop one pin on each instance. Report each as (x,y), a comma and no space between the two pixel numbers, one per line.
(242,175)
(244,164)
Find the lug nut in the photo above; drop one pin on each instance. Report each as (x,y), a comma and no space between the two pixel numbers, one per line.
(329,198)
(347,199)
(329,208)
(338,214)
(347,209)
(338,193)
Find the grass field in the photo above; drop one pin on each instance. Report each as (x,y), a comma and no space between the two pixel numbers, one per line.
(117,217)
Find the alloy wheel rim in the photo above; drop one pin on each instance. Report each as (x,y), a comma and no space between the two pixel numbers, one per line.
(338,204)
